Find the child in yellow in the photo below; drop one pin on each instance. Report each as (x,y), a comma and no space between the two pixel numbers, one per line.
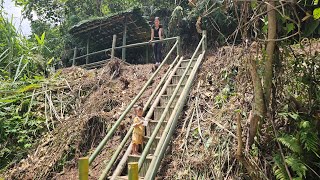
(138,130)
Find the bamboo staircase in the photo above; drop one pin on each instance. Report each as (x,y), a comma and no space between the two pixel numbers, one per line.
(159,105)
(167,102)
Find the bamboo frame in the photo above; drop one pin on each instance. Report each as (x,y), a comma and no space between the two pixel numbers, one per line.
(114,39)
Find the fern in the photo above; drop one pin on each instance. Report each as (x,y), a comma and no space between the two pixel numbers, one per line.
(279,168)
(297,166)
(290,142)
(309,138)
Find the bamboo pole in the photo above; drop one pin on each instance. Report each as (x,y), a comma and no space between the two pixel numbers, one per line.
(114,39)
(117,123)
(74,56)
(83,168)
(133,171)
(204,43)
(179,46)
(87,57)
(121,164)
(124,39)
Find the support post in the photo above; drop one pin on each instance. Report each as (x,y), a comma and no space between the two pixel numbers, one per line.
(179,46)
(87,58)
(84,168)
(133,171)
(74,56)
(147,54)
(204,43)
(113,45)
(124,39)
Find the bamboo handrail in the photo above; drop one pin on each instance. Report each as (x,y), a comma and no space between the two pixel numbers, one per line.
(155,131)
(117,123)
(167,133)
(126,46)
(166,136)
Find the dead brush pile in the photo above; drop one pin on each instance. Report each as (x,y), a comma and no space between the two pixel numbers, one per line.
(83,105)
(203,145)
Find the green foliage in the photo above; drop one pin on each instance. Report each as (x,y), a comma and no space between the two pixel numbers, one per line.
(316,13)
(290,142)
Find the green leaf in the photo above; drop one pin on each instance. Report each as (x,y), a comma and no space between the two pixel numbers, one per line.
(315,2)
(50,61)
(316,13)
(290,142)
(311,26)
(297,166)
(29,88)
(290,27)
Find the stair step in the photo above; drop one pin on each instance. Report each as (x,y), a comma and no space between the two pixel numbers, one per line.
(164,99)
(184,63)
(170,89)
(158,112)
(180,71)
(152,125)
(145,165)
(154,143)
(176,79)
(125,178)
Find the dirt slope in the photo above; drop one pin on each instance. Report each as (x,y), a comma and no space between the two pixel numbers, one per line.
(96,101)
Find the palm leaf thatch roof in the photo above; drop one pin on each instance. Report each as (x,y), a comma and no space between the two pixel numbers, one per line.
(99,31)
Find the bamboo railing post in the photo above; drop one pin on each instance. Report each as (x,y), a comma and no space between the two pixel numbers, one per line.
(87,57)
(179,46)
(84,168)
(124,39)
(204,43)
(133,171)
(74,56)
(113,46)
(147,54)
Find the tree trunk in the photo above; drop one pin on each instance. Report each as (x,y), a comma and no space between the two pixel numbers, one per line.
(272,27)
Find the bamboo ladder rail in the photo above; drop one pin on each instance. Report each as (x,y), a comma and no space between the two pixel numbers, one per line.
(170,127)
(117,123)
(163,116)
(149,114)
(167,133)
(125,139)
